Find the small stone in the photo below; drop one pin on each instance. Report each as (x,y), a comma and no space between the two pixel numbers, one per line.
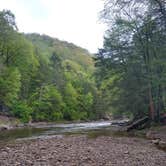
(29,162)
(126,152)
(162,144)
(89,149)
(4,153)
(59,160)
(156,141)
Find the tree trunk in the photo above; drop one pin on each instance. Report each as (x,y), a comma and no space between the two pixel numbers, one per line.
(151,104)
(160,104)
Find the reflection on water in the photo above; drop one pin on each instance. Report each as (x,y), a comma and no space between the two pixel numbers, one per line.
(92,129)
(19,133)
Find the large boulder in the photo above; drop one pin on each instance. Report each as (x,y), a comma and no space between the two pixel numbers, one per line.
(162,144)
(4,127)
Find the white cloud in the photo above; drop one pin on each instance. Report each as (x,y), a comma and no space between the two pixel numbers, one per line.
(74,21)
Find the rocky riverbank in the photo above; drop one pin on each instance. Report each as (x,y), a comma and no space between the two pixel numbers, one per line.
(7,123)
(110,150)
(82,151)
(157,135)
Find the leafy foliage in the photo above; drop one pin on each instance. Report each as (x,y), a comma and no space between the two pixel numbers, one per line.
(9,85)
(131,67)
(43,78)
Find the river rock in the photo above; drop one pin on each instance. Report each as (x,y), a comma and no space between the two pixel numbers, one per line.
(126,152)
(104,151)
(4,127)
(4,153)
(151,135)
(162,144)
(156,141)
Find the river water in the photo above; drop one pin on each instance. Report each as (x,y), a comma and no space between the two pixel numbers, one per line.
(92,129)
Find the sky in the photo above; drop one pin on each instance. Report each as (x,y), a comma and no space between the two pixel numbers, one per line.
(75,21)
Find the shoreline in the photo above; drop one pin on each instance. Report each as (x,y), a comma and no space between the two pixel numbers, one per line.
(83,150)
(156,135)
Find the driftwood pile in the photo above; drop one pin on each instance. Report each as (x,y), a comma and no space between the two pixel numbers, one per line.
(139,124)
(144,122)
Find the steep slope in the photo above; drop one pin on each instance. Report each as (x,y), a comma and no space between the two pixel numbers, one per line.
(67,51)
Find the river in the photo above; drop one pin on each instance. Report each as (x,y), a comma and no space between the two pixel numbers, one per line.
(91,129)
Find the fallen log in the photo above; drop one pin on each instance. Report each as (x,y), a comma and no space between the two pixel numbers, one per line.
(138,124)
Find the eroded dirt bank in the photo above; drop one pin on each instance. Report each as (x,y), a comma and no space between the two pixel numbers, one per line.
(82,151)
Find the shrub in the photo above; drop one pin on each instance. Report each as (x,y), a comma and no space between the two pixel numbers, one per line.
(22,111)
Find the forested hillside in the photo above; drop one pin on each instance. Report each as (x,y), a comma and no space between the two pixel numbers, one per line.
(42,78)
(45,79)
